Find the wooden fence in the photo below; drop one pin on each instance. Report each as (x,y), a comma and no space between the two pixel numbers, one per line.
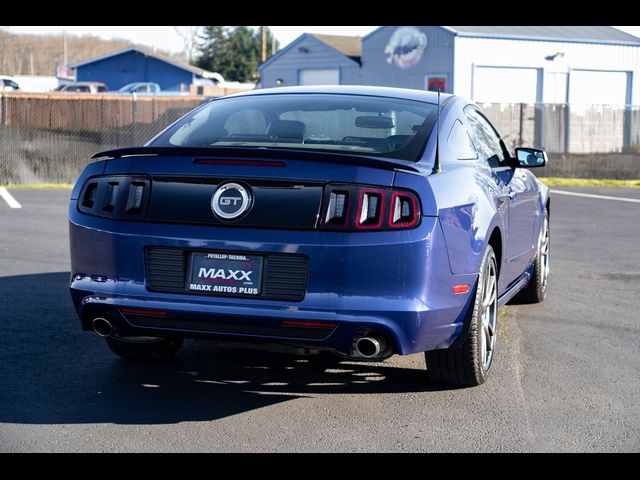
(72,112)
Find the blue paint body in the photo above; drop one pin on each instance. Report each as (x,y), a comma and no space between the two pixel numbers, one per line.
(395,282)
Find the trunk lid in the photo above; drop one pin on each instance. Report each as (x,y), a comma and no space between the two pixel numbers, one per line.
(286,186)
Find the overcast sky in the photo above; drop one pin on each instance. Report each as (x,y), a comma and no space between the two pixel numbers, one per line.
(166,38)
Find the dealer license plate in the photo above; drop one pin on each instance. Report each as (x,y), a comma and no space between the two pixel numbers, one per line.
(225,274)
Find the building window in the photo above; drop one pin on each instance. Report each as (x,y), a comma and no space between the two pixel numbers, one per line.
(436,83)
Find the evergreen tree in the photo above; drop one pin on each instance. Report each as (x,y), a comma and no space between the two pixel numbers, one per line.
(233,52)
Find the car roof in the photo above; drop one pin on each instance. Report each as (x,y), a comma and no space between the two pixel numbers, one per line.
(84,83)
(403,93)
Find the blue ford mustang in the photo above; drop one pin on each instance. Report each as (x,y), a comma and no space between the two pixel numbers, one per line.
(359,220)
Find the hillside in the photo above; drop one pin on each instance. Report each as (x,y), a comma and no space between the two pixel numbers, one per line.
(40,54)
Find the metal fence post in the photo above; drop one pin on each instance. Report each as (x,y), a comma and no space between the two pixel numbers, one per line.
(567,128)
(521,125)
(134,98)
(538,125)
(627,127)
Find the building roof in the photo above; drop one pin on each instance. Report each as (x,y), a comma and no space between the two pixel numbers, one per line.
(350,46)
(587,34)
(163,58)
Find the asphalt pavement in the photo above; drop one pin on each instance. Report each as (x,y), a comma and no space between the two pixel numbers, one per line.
(565,378)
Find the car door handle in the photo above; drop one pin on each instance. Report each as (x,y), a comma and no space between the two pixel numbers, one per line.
(512,194)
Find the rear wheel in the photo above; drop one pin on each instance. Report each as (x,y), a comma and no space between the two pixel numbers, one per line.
(152,349)
(469,364)
(536,289)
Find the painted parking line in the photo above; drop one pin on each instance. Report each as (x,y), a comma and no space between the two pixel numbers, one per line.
(600,197)
(12,202)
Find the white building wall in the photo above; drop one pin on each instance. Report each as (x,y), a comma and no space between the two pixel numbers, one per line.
(555,78)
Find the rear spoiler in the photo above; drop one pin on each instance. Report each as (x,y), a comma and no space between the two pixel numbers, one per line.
(260,153)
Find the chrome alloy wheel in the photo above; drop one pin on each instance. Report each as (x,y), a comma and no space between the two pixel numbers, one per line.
(488,314)
(544,252)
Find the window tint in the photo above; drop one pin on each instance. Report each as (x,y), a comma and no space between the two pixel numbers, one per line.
(246,122)
(460,142)
(376,126)
(485,138)
(102,89)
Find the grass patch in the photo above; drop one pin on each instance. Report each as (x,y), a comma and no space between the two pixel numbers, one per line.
(65,186)
(588,182)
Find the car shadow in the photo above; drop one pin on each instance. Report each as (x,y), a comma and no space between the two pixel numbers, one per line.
(53,373)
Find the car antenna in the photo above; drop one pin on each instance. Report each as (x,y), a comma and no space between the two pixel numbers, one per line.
(436,162)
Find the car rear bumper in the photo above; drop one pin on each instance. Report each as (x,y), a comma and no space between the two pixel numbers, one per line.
(397,284)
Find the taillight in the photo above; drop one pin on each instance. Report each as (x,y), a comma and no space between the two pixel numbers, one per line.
(354,208)
(117,197)
(404,210)
(370,209)
(338,208)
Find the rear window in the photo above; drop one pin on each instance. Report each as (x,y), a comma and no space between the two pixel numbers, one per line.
(376,126)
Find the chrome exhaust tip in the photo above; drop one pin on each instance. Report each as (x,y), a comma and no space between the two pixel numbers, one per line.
(102,327)
(369,347)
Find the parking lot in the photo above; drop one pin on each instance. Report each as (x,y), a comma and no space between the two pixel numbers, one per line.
(565,377)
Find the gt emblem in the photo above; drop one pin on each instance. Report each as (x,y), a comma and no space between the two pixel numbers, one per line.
(230,201)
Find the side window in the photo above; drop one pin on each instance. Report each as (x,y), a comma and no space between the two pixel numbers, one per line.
(102,88)
(460,142)
(486,139)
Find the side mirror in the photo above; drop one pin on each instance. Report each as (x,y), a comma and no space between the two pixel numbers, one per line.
(531,158)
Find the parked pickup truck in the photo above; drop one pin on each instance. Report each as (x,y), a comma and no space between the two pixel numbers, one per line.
(146,88)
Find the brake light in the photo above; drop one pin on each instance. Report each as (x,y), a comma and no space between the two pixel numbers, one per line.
(117,197)
(240,163)
(355,208)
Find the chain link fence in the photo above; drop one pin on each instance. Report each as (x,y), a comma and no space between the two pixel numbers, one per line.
(49,138)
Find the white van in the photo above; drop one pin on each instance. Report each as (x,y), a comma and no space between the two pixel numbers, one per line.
(7,84)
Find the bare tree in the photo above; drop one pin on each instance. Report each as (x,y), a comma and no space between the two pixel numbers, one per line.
(189,36)
(23,54)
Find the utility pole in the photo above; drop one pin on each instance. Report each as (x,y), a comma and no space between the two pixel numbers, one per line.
(263,44)
(64,48)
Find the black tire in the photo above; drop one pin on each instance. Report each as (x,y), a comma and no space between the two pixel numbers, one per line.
(161,349)
(536,289)
(464,366)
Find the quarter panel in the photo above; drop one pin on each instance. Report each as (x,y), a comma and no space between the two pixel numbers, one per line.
(469,211)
